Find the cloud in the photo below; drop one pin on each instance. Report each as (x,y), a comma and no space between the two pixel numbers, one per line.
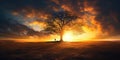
(104,14)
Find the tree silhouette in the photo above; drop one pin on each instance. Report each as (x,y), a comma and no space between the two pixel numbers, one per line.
(58,21)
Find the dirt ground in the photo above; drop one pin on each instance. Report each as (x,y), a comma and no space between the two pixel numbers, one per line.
(92,50)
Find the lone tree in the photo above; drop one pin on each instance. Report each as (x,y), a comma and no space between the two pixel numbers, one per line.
(58,21)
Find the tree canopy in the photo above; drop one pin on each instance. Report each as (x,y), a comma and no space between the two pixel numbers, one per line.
(58,21)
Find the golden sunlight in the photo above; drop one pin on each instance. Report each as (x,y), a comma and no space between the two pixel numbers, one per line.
(72,36)
(68,36)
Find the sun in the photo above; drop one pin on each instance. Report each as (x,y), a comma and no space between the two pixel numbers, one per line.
(68,36)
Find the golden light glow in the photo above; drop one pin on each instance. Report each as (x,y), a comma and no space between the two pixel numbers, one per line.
(71,36)
(68,36)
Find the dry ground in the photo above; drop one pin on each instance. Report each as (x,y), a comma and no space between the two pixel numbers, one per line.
(102,50)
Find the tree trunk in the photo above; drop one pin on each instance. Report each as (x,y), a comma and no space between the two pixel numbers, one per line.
(61,36)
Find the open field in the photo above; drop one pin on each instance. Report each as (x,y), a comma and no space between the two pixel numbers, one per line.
(94,50)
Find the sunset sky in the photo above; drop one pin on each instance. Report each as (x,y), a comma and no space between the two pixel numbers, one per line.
(99,18)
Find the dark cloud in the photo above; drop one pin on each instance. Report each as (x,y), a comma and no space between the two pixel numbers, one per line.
(109,12)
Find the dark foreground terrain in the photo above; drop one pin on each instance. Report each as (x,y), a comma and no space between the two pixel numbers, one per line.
(60,51)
